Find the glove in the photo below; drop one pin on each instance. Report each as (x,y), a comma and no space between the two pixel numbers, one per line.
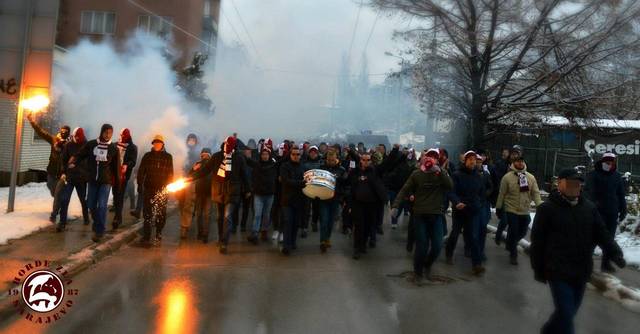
(622,216)
(540,278)
(620,262)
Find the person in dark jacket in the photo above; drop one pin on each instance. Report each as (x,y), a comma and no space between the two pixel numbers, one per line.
(203,198)
(73,178)
(502,168)
(186,197)
(228,186)
(566,229)
(467,197)
(128,153)
(312,206)
(292,199)
(427,187)
(263,186)
(154,174)
(395,180)
(103,164)
(329,208)
(367,192)
(485,201)
(605,189)
(57,142)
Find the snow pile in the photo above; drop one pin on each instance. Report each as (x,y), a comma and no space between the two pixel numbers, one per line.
(32,210)
(611,287)
(629,240)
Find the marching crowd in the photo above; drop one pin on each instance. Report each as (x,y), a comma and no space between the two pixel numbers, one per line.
(235,178)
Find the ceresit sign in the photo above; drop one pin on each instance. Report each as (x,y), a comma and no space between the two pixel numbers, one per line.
(618,149)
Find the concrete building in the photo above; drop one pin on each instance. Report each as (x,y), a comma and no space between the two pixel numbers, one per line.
(187,23)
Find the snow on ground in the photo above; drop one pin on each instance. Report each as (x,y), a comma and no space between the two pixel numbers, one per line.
(32,210)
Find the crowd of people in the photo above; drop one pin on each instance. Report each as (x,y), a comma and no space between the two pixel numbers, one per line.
(269,181)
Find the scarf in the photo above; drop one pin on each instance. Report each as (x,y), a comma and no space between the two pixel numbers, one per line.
(225,167)
(122,149)
(101,150)
(523,182)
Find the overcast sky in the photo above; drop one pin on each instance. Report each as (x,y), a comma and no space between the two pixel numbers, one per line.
(311,35)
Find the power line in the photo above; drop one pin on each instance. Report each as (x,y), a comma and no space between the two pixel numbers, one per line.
(253,45)
(353,36)
(233,28)
(373,27)
(148,11)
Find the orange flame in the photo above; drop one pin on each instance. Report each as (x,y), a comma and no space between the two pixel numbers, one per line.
(177,185)
(36,103)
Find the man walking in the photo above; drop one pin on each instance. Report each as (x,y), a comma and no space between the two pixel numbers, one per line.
(606,190)
(128,153)
(566,229)
(518,189)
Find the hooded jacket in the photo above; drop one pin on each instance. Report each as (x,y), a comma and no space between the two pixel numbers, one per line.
(606,191)
(563,238)
(511,199)
(80,172)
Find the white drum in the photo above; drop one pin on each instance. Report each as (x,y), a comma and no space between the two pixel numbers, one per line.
(320,184)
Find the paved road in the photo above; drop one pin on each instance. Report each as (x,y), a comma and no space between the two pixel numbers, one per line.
(189,287)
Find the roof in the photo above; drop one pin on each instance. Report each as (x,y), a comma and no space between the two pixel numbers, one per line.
(599,123)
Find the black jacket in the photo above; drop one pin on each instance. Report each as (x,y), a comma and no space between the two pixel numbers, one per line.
(264,176)
(606,190)
(130,159)
(468,188)
(368,180)
(230,189)
(398,176)
(563,239)
(155,171)
(292,182)
(203,184)
(54,168)
(80,172)
(103,172)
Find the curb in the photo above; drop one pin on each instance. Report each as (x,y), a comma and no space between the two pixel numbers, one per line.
(609,285)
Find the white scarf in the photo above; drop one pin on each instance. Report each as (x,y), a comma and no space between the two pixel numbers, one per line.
(101,150)
(225,166)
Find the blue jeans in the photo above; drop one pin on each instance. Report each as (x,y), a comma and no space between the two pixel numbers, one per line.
(328,210)
(428,234)
(262,210)
(518,228)
(65,198)
(293,215)
(227,222)
(567,298)
(97,200)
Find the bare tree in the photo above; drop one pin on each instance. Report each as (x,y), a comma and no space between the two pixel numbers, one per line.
(487,60)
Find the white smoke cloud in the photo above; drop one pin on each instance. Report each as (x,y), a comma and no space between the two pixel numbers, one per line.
(135,88)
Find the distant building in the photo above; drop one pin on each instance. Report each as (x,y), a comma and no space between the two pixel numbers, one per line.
(187,23)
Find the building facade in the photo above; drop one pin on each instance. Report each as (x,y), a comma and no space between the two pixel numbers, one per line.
(191,25)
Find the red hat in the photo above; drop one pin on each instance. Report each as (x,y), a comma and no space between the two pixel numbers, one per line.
(269,143)
(230,144)
(125,134)
(78,135)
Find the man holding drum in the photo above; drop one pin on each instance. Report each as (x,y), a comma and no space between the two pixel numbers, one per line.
(329,207)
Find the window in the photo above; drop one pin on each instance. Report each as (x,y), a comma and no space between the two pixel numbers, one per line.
(102,23)
(207,8)
(160,25)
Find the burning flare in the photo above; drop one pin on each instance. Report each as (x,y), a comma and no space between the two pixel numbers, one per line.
(177,185)
(36,103)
